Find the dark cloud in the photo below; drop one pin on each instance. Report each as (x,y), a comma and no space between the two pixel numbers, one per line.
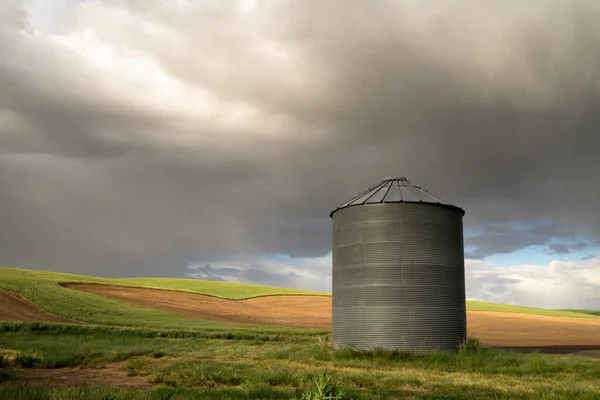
(493,106)
(504,239)
(578,246)
(566,248)
(552,230)
(559,248)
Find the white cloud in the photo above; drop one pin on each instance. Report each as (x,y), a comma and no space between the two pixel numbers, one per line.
(560,284)
(124,57)
(50,16)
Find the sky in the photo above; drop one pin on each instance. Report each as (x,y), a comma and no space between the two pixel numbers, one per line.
(211,139)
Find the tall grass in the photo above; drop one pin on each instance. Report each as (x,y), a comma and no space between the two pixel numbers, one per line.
(46,345)
(294,368)
(263,333)
(91,392)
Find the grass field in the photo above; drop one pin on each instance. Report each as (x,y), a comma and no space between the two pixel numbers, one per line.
(505,308)
(22,279)
(133,352)
(226,290)
(265,368)
(594,313)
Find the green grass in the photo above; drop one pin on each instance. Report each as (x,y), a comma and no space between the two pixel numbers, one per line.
(292,335)
(69,350)
(595,313)
(91,392)
(188,368)
(22,279)
(226,290)
(504,308)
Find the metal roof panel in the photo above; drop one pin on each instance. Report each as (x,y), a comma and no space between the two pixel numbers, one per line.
(395,190)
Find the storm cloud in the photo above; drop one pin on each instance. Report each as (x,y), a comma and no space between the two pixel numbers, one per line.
(137,138)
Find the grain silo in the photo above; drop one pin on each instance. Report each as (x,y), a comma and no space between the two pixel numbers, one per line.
(398,270)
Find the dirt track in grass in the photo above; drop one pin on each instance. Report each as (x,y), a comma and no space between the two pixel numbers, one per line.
(114,375)
(551,334)
(14,308)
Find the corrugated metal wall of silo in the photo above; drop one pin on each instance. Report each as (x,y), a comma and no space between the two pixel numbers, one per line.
(398,277)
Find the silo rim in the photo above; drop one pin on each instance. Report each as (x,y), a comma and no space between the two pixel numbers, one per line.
(399,202)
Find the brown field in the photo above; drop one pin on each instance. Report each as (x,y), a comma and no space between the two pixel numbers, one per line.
(552,334)
(303,311)
(15,308)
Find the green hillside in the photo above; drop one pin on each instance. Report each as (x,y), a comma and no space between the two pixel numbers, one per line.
(42,288)
(226,290)
(594,313)
(505,308)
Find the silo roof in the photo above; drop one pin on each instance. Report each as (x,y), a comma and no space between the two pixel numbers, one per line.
(395,190)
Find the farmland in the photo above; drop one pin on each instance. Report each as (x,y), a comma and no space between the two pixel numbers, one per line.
(85,337)
(44,290)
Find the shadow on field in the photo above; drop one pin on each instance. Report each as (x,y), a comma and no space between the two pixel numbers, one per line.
(595,313)
(583,350)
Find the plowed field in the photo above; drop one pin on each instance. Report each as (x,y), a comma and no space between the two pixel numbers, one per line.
(14,308)
(556,334)
(289,310)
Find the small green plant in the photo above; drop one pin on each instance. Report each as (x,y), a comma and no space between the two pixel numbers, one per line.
(471,346)
(6,376)
(137,366)
(324,341)
(324,390)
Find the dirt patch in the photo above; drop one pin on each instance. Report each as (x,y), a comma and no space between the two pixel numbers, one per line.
(113,375)
(16,308)
(299,311)
(557,334)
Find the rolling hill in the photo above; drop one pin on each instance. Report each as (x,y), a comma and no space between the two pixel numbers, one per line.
(50,292)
